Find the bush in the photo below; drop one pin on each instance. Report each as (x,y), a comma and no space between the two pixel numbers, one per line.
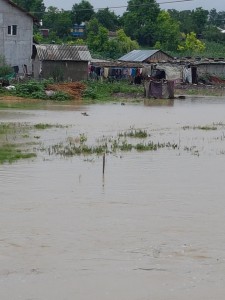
(30,89)
(36,90)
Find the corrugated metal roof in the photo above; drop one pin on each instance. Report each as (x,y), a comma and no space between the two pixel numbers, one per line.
(138,55)
(63,52)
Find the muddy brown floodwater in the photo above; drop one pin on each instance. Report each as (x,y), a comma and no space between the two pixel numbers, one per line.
(152,228)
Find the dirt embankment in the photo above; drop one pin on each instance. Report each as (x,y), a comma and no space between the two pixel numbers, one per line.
(74,89)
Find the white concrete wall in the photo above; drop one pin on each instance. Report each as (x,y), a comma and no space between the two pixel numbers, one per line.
(17,49)
(212,69)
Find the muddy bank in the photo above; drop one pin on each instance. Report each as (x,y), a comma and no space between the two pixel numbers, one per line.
(76,94)
(200,90)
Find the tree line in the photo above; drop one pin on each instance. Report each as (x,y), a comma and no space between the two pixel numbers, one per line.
(144,24)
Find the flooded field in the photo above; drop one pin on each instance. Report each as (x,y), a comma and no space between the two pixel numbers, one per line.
(152,227)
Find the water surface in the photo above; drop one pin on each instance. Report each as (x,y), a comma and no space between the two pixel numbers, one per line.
(151,228)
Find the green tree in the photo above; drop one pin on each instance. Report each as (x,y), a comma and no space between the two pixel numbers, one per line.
(167,32)
(108,19)
(216,18)
(139,22)
(82,12)
(99,42)
(213,34)
(221,19)
(191,44)
(97,36)
(125,42)
(38,38)
(200,18)
(80,42)
(120,45)
(213,17)
(58,21)
(184,18)
(36,7)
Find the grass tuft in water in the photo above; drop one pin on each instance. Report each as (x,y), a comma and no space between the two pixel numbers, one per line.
(140,134)
(206,127)
(9,153)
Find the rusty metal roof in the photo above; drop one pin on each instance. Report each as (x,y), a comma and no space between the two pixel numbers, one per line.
(63,52)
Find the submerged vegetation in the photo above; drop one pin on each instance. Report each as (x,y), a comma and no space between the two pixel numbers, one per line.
(113,147)
(20,141)
(10,153)
(133,133)
(11,149)
(205,127)
(16,141)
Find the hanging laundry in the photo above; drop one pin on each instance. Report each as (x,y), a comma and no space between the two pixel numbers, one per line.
(106,72)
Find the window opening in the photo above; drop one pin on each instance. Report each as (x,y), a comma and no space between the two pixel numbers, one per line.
(12,30)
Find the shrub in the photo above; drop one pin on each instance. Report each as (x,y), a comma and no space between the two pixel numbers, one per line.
(4,68)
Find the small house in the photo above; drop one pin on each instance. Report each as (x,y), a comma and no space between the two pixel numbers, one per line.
(146,56)
(61,62)
(78,30)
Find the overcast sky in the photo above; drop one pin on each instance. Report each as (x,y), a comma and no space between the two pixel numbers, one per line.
(206,4)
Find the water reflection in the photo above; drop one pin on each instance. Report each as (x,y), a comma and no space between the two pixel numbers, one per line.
(159,102)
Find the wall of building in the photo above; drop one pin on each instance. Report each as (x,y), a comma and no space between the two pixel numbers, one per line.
(212,69)
(158,56)
(17,49)
(36,68)
(61,70)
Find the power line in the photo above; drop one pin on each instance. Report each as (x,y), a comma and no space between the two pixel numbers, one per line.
(138,5)
(123,6)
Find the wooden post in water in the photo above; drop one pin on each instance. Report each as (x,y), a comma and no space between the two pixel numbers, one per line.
(103,169)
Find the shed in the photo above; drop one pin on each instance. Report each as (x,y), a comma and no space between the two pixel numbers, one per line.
(146,56)
(61,62)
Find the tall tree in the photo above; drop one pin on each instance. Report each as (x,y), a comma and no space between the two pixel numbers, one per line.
(108,19)
(140,20)
(191,20)
(97,36)
(167,31)
(185,19)
(58,21)
(120,45)
(200,18)
(213,17)
(213,34)
(221,19)
(36,7)
(82,12)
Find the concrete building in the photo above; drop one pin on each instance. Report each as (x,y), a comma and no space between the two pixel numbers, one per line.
(16,36)
(78,30)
